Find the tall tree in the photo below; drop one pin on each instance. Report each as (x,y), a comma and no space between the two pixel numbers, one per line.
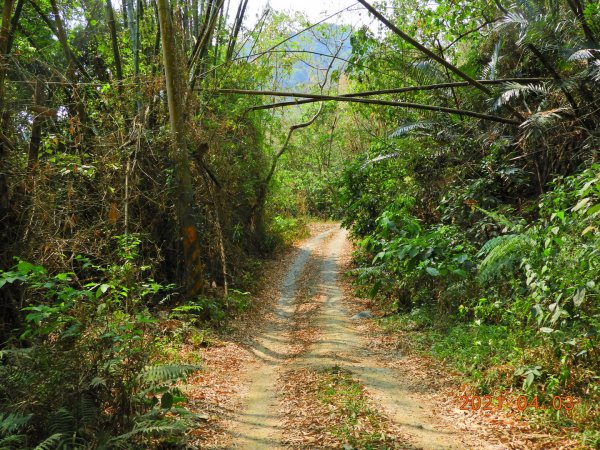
(185,195)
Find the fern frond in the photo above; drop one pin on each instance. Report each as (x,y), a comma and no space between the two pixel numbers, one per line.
(50,443)
(504,256)
(166,373)
(88,410)
(14,441)
(493,243)
(11,423)
(61,422)
(500,219)
(153,428)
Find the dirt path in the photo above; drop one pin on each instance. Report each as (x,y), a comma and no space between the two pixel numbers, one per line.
(257,426)
(341,345)
(310,336)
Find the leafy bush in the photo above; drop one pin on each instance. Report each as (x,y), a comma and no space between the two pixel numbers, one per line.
(82,375)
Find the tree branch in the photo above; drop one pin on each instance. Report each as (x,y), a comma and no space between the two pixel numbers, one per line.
(339,98)
(433,55)
(424,49)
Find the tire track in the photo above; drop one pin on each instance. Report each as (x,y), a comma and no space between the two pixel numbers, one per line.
(258,425)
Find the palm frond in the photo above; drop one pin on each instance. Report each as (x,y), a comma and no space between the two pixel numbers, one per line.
(585,53)
(515,90)
(408,127)
(490,71)
(595,72)
(380,158)
(425,72)
(537,124)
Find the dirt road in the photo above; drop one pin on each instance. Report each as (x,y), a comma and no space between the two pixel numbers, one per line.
(328,339)
(313,377)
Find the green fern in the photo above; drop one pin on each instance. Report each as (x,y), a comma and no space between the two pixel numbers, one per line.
(153,425)
(502,220)
(88,410)
(504,254)
(14,441)
(51,443)
(165,373)
(493,243)
(11,423)
(61,422)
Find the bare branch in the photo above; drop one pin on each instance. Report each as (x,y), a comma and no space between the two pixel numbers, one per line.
(339,98)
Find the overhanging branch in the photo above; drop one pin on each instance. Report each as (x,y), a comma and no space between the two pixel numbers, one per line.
(339,98)
(401,90)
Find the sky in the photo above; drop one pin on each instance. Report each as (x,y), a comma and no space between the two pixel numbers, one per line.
(315,10)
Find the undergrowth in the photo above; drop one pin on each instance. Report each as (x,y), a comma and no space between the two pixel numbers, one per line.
(359,425)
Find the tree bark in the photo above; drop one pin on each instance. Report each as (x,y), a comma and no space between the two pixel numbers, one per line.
(402,90)
(4,32)
(424,49)
(193,280)
(14,22)
(133,19)
(115,43)
(432,54)
(577,9)
(239,18)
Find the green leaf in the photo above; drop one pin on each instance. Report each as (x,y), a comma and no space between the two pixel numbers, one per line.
(579,297)
(375,289)
(433,271)
(581,204)
(593,210)
(547,330)
(529,380)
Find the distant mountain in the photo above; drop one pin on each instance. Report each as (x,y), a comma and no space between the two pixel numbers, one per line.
(322,40)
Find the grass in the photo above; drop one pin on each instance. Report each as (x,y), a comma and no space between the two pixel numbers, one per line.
(358,425)
(496,359)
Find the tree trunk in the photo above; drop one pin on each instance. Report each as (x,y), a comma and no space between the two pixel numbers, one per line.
(6,12)
(115,43)
(133,19)
(189,234)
